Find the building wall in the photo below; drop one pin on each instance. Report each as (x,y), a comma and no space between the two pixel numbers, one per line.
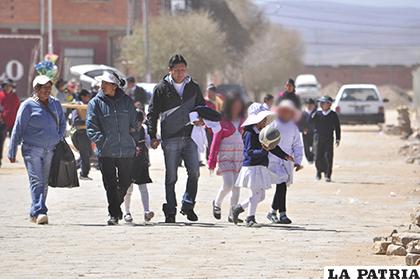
(400,76)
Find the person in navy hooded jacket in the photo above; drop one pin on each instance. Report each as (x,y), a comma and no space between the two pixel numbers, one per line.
(111,124)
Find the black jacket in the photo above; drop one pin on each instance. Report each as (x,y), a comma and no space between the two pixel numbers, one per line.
(292,96)
(173,108)
(325,125)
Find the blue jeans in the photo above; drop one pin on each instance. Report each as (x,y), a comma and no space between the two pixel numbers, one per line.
(175,150)
(38,164)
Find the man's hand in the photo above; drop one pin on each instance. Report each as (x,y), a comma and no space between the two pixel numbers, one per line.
(298,167)
(155,143)
(199,122)
(337,143)
(12,160)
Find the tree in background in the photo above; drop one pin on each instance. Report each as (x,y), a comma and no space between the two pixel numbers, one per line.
(195,35)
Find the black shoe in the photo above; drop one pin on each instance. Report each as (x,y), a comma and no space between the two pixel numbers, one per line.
(230,220)
(190,214)
(112,221)
(284,220)
(250,221)
(318,176)
(327,179)
(236,210)
(217,211)
(170,218)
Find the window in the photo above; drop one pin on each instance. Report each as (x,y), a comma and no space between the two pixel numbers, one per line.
(359,95)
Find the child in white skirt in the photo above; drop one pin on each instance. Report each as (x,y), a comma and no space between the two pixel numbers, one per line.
(226,152)
(140,172)
(254,173)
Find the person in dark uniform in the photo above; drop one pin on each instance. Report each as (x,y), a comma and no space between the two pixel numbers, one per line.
(325,123)
(307,129)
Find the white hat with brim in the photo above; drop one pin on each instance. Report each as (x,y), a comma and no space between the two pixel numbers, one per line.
(257,118)
(107,77)
(41,80)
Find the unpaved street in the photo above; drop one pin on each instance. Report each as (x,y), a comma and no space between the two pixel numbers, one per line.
(333,224)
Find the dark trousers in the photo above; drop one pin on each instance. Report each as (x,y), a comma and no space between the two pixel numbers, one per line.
(324,153)
(308,141)
(116,176)
(82,143)
(3,134)
(279,200)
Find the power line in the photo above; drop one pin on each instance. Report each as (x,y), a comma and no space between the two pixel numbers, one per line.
(343,22)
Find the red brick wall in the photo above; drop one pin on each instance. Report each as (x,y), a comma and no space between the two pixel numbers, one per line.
(80,13)
(400,76)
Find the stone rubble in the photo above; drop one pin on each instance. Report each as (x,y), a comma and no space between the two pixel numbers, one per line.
(406,243)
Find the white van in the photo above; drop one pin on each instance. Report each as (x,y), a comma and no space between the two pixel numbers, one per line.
(307,87)
(359,104)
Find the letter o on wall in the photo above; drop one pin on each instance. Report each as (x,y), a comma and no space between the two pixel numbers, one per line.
(14,70)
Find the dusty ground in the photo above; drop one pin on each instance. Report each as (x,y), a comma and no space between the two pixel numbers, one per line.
(333,224)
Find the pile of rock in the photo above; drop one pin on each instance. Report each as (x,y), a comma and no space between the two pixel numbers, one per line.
(411,151)
(405,244)
(404,124)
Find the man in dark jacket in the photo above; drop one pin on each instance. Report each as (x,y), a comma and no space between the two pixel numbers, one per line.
(111,124)
(173,99)
(290,94)
(325,123)
(137,93)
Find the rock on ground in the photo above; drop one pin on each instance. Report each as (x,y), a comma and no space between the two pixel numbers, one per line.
(412,259)
(396,250)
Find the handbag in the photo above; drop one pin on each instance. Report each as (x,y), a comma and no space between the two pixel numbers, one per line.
(63,171)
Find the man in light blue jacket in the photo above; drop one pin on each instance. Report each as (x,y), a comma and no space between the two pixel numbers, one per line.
(40,125)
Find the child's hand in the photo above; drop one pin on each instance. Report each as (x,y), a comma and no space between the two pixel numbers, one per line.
(290,158)
(337,143)
(265,147)
(298,167)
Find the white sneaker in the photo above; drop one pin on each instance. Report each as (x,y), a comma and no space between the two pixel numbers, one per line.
(148,216)
(42,219)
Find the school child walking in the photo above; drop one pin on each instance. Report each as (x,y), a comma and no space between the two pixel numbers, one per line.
(307,129)
(325,123)
(291,143)
(140,172)
(226,152)
(254,173)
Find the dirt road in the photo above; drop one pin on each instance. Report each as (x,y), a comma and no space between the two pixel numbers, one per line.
(333,224)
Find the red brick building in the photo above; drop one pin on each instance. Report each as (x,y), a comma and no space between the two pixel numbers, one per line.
(84,31)
(398,75)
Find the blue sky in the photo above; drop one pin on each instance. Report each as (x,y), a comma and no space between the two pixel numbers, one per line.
(378,3)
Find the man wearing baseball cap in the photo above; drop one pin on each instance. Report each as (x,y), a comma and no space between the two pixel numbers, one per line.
(40,125)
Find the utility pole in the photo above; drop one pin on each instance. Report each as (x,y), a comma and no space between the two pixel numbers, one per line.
(50,28)
(42,26)
(146,40)
(130,17)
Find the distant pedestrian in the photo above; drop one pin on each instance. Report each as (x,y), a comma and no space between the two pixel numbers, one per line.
(325,123)
(79,135)
(290,94)
(40,125)
(306,127)
(140,173)
(111,125)
(61,95)
(268,101)
(254,172)
(213,100)
(226,152)
(175,96)
(9,105)
(137,93)
(291,143)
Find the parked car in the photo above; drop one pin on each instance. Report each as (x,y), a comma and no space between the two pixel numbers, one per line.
(87,73)
(307,87)
(360,104)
